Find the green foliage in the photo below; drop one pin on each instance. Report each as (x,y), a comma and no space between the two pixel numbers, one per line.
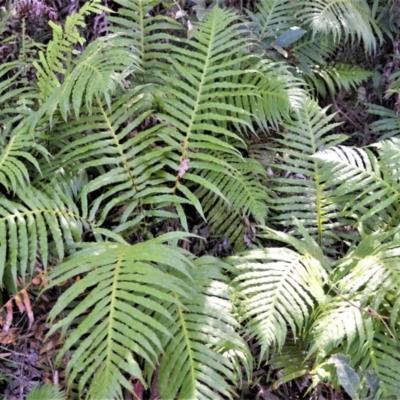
(112,155)
(46,392)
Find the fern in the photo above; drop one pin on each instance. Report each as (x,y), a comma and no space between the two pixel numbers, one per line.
(25,225)
(196,361)
(148,286)
(387,125)
(123,136)
(350,18)
(302,187)
(330,79)
(365,186)
(279,289)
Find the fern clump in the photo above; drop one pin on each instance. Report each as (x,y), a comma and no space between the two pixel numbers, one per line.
(124,148)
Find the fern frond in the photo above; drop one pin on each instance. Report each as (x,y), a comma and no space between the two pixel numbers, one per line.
(248,200)
(291,362)
(15,153)
(279,288)
(197,362)
(117,322)
(345,19)
(46,392)
(367,188)
(148,35)
(56,62)
(276,93)
(312,51)
(375,274)
(199,131)
(332,78)
(272,16)
(98,71)
(382,356)
(339,322)
(25,225)
(301,189)
(387,124)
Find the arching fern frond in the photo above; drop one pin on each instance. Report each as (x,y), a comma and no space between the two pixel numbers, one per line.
(343,19)
(197,362)
(14,155)
(98,71)
(55,63)
(340,322)
(127,286)
(278,288)
(147,299)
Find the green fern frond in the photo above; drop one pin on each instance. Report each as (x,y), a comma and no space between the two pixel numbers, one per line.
(25,225)
(46,392)
(382,356)
(13,90)
(97,72)
(272,16)
(15,154)
(365,186)
(330,79)
(279,289)
(247,194)
(291,362)
(148,35)
(276,93)
(56,62)
(340,322)
(300,189)
(312,51)
(345,19)
(117,322)
(376,274)
(200,130)
(387,124)
(197,362)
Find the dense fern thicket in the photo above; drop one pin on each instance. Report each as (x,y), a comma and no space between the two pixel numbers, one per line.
(210,189)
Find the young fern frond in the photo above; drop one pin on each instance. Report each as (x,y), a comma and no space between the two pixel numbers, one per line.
(55,64)
(98,71)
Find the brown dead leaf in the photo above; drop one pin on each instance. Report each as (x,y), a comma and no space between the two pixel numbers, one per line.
(8,337)
(27,304)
